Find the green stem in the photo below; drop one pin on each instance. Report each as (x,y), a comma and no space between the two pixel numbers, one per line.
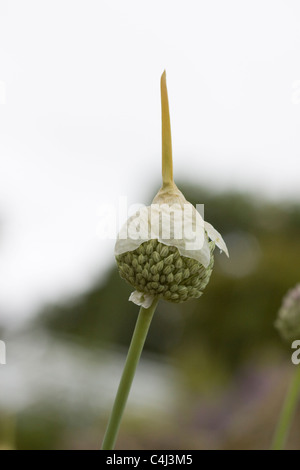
(287,412)
(133,356)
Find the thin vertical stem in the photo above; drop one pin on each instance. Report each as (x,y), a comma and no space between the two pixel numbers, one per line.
(134,353)
(287,413)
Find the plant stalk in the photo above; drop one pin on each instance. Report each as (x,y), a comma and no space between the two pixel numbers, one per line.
(132,360)
(287,413)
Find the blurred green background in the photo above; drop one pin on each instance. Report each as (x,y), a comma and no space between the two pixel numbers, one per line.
(213,372)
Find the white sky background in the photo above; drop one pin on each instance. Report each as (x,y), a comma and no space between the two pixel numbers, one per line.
(80,121)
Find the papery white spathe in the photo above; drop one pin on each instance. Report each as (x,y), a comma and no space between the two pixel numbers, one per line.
(216,237)
(141,299)
(148,223)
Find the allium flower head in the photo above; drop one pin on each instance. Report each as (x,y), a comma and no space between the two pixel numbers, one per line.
(166,250)
(288,320)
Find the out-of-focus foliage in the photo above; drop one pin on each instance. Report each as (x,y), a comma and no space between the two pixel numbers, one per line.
(234,317)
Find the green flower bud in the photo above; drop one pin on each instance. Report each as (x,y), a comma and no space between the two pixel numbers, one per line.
(288,320)
(182,279)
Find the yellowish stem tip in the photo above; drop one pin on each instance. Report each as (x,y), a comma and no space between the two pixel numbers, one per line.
(167,163)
